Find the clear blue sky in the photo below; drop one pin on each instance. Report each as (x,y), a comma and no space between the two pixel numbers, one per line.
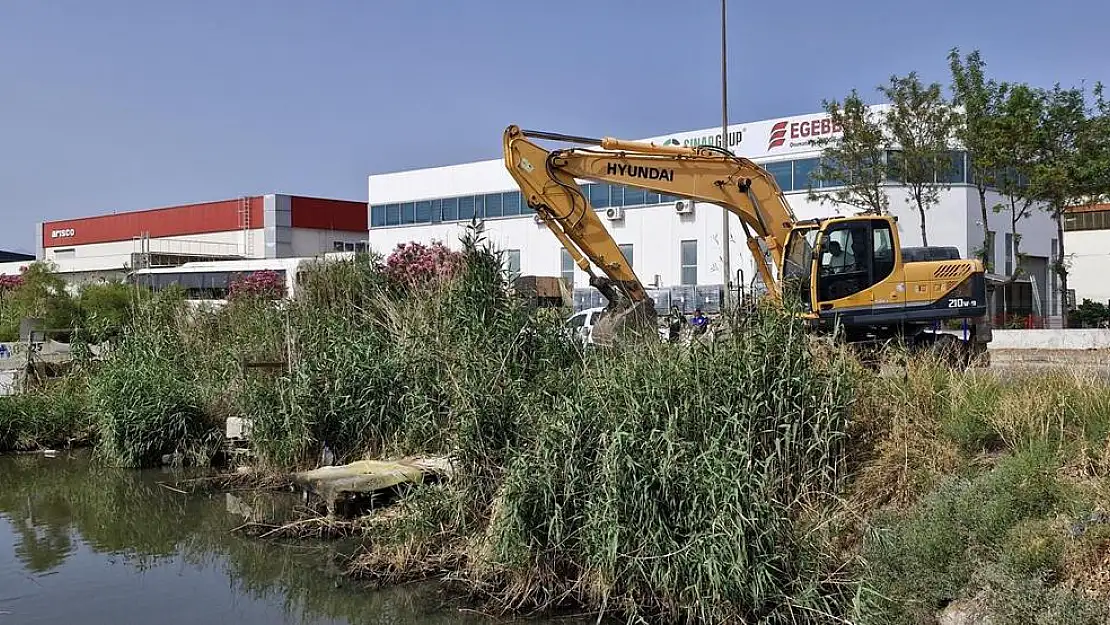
(114,105)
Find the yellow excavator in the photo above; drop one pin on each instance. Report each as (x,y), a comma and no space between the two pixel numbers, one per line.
(845,272)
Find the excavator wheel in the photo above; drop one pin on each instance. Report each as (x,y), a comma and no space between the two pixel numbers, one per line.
(637,321)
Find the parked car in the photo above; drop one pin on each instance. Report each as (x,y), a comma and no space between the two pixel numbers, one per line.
(581,325)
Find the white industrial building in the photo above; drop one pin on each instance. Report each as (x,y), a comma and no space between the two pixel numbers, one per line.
(672,247)
(1087,252)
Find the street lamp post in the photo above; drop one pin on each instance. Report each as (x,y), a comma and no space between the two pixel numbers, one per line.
(726,264)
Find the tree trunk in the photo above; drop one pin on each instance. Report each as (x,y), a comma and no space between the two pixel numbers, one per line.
(924,236)
(987,256)
(1060,268)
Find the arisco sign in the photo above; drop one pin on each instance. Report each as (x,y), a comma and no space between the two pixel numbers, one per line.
(786,133)
(63,233)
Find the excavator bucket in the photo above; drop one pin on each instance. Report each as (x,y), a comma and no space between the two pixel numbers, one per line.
(624,319)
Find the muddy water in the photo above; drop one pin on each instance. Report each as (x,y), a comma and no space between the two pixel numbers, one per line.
(81,543)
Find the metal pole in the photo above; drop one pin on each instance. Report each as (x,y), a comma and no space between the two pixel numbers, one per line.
(724,144)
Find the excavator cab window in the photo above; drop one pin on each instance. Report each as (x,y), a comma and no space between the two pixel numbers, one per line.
(855,256)
(798,261)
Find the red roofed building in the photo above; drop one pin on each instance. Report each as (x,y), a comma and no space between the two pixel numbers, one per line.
(255,227)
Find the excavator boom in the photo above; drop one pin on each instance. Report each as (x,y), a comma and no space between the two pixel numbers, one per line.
(548,180)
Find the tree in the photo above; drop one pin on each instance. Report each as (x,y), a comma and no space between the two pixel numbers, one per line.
(922,124)
(854,159)
(1016,149)
(1073,161)
(978,100)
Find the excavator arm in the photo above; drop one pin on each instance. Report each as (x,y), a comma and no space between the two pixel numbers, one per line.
(548,182)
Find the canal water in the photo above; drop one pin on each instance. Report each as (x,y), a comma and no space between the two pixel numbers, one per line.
(83,543)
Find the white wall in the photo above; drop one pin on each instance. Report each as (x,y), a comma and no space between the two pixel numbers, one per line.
(94,256)
(307,242)
(1088,255)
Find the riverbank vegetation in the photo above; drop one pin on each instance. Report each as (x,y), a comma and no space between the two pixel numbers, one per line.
(760,478)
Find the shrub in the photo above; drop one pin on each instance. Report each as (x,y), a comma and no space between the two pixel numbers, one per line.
(146,396)
(921,560)
(415,264)
(672,486)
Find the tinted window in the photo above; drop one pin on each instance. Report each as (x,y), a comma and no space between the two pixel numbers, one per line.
(466,208)
(803,168)
(511,203)
(634,197)
(599,195)
(377,216)
(423,212)
(493,205)
(408,212)
(392,214)
(781,171)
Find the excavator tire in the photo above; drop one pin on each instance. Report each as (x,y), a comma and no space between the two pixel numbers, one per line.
(635,322)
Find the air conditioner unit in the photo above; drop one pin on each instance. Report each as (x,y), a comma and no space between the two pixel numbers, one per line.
(614,213)
(684,207)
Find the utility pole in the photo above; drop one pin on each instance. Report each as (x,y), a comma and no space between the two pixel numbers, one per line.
(726,264)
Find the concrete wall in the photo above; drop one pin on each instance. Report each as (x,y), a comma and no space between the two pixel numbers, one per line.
(1050,339)
(305,242)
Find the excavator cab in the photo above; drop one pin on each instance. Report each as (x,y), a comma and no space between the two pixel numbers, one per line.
(850,271)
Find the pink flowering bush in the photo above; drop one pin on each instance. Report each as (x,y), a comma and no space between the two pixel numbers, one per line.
(265,284)
(414,264)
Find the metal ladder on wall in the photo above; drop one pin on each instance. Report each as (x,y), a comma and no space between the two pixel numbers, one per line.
(245,225)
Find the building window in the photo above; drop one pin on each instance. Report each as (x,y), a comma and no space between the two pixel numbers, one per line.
(634,197)
(781,170)
(566,266)
(803,169)
(362,247)
(512,263)
(68,252)
(377,216)
(689,262)
(599,195)
(423,212)
(1009,254)
(1087,220)
(408,212)
(337,246)
(626,251)
(493,205)
(511,203)
(991,252)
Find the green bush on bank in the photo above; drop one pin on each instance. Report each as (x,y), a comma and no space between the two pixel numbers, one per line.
(54,416)
(674,485)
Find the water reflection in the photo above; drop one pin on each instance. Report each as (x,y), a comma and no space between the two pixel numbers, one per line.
(104,545)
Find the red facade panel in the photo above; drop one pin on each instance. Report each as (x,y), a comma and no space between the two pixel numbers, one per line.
(160,222)
(322,214)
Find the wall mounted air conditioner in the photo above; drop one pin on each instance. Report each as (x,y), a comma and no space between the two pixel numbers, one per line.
(614,213)
(684,207)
